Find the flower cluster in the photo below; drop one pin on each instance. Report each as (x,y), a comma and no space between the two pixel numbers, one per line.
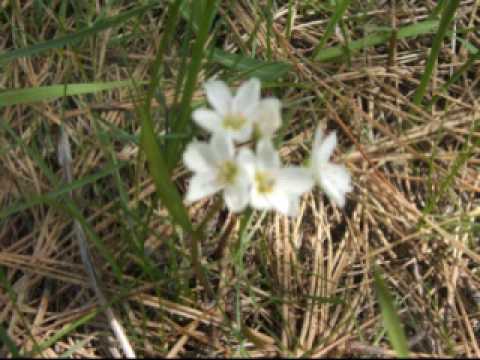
(255,178)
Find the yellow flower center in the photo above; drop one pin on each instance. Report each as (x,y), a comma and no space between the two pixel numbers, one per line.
(234,121)
(228,172)
(264,182)
(257,133)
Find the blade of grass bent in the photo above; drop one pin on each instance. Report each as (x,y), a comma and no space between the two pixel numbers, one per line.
(340,9)
(391,320)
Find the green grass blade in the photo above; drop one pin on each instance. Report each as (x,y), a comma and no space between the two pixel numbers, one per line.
(462,157)
(49,93)
(159,171)
(340,9)
(157,163)
(174,148)
(6,340)
(447,16)
(67,329)
(74,348)
(409,31)
(172,18)
(391,320)
(101,25)
(264,70)
(472,58)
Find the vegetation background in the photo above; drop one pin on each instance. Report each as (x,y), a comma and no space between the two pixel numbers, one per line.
(95,108)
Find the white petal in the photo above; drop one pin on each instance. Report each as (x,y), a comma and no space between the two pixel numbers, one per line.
(280,201)
(268,116)
(198,157)
(322,153)
(222,147)
(219,96)
(335,181)
(201,186)
(247,159)
(207,119)
(237,197)
(243,134)
(260,201)
(267,156)
(247,96)
(294,205)
(295,180)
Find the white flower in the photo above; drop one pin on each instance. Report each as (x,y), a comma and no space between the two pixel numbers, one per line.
(216,168)
(332,178)
(267,118)
(232,115)
(274,187)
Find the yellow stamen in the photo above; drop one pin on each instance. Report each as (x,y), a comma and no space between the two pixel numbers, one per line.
(228,172)
(234,121)
(264,182)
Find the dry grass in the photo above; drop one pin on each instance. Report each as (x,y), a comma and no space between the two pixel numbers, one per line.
(300,286)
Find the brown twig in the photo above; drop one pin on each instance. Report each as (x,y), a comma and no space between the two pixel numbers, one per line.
(65,160)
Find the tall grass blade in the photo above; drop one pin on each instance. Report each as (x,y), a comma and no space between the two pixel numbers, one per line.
(391,320)
(49,93)
(447,16)
(420,28)
(264,70)
(157,163)
(67,329)
(172,18)
(158,169)
(472,58)
(341,7)
(463,155)
(174,148)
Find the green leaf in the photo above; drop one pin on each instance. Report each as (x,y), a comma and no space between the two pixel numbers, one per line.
(101,25)
(264,70)
(417,29)
(391,320)
(49,93)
